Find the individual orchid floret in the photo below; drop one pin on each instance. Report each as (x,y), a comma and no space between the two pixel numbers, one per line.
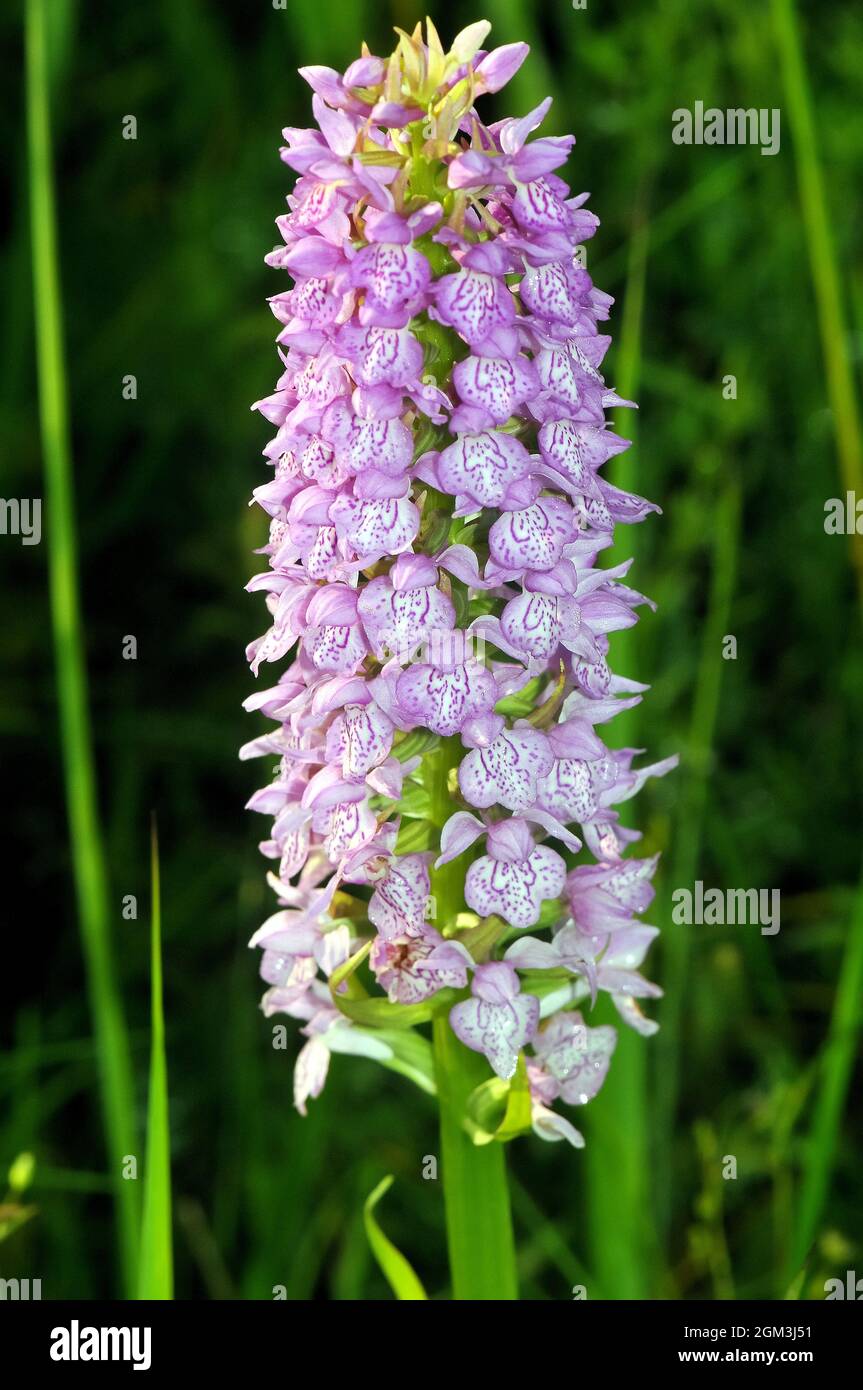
(574,1057)
(515,876)
(378,520)
(478,469)
(604,897)
(361,738)
(394,276)
(617,973)
(443,696)
(413,968)
(476,300)
(504,765)
(333,638)
(499,1020)
(403,612)
(400,903)
(531,534)
(567,950)
(496,385)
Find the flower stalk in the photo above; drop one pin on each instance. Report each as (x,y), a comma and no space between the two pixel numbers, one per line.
(476,1195)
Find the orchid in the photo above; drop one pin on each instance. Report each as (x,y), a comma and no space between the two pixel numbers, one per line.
(434,578)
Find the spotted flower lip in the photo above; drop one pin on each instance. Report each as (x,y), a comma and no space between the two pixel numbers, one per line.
(498,1020)
(480,468)
(506,772)
(400,902)
(402,615)
(438,588)
(442,697)
(515,877)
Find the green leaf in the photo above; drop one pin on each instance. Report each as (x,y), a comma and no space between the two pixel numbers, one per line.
(461,534)
(500,1109)
(379,157)
(415,802)
(485,1109)
(418,741)
(394,1267)
(435,532)
(411,1056)
(543,982)
(519,705)
(380,1013)
(155,1271)
(481,935)
(48,27)
(461,604)
(517,1119)
(415,835)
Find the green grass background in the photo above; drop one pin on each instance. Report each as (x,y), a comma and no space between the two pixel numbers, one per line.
(722,261)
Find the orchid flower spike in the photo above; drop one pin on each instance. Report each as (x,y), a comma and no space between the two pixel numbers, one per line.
(438,605)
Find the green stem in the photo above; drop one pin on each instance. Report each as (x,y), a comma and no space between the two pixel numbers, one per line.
(476,1195)
(478,1218)
(112,1043)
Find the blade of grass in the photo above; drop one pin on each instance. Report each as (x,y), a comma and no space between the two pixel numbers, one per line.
(823,262)
(688,826)
(395,1268)
(836,1066)
(115,1071)
(156,1274)
(838,1056)
(549,1241)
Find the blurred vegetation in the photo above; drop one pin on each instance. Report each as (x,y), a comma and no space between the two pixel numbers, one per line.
(721,260)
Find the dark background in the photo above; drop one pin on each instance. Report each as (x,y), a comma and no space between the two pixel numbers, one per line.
(718,267)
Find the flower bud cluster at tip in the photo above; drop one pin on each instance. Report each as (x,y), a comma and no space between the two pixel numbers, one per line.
(438,514)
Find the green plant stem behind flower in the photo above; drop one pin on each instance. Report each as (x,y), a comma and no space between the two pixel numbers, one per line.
(476,1195)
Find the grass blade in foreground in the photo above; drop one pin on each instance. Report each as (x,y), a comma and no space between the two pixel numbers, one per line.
(835,343)
(836,348)
(115,1072)
(837,1062)
(156,1276)
(395,1268)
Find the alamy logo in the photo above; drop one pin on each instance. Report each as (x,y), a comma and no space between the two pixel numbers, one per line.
(852,1288)
(21,516)
(733,127)
(76,1343)
(20,1290)
(727,907)
(843,516)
